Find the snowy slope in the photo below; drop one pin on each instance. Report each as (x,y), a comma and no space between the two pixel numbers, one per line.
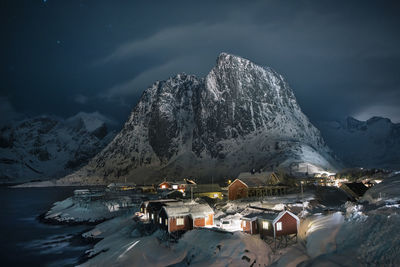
(200,247)
(374,143)
(49,147)
(240,116)
(386,192)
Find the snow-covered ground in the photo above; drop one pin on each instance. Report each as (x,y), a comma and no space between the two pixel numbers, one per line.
(80,209)
(388,191)
(366,234)
(201,247)
(332,233)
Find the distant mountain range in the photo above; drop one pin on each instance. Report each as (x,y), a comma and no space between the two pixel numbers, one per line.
(239,117)
(374,143)
(47,147)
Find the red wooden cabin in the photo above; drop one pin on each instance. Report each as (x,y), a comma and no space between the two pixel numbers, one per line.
(165,185)
(278,224)
(185,217)
(151,208)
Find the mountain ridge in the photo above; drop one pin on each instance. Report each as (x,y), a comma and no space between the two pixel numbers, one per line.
(240,116)
(47,147)
(374,143)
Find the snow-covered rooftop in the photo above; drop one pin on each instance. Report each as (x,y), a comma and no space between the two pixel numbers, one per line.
(195,210)
(258,178)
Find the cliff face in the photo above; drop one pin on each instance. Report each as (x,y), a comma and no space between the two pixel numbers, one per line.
(240,116)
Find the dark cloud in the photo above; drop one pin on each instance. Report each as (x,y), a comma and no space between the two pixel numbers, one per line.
(340,57)
(81,99)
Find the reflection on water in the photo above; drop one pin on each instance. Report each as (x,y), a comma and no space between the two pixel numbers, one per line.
(27,242)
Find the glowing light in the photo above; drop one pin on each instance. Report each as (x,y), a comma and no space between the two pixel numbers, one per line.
(180,221)
(129,248)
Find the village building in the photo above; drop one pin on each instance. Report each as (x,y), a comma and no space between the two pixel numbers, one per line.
(249,223)
(165,185)
(257,184)
(355,190)
(275,225)
(185,217)
(368,184)
(207,190)
(176,185)
(281,226)
(151,208)
(121,186)
(148,189)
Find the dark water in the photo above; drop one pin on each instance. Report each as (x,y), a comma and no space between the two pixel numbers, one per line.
(24,241)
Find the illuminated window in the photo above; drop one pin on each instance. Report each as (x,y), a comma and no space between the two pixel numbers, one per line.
(175,186)
(160,220)
(180,221)
(166,221)
(278,226)
(152,216)
(265,225)
(163,186)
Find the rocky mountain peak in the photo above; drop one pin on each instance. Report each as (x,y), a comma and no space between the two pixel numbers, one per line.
(240,116)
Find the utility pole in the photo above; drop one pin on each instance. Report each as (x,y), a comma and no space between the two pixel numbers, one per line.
(191,193)
(302,195)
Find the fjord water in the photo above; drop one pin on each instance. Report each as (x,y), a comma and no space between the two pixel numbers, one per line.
(25,241)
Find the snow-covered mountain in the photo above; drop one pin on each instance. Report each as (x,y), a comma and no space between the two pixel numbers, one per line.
(48,147)
(374,143)
(240,116)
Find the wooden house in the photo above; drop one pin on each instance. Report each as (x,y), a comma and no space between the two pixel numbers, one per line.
(176,185)
(183,185)
(249,224)
(149,189)
(255,185)
(121,186)
(165,185)
(355,190)
(278,224)
(207,190)
(185,217)
(151,208)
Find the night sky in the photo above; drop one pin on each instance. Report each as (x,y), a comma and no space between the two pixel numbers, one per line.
(60,57)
